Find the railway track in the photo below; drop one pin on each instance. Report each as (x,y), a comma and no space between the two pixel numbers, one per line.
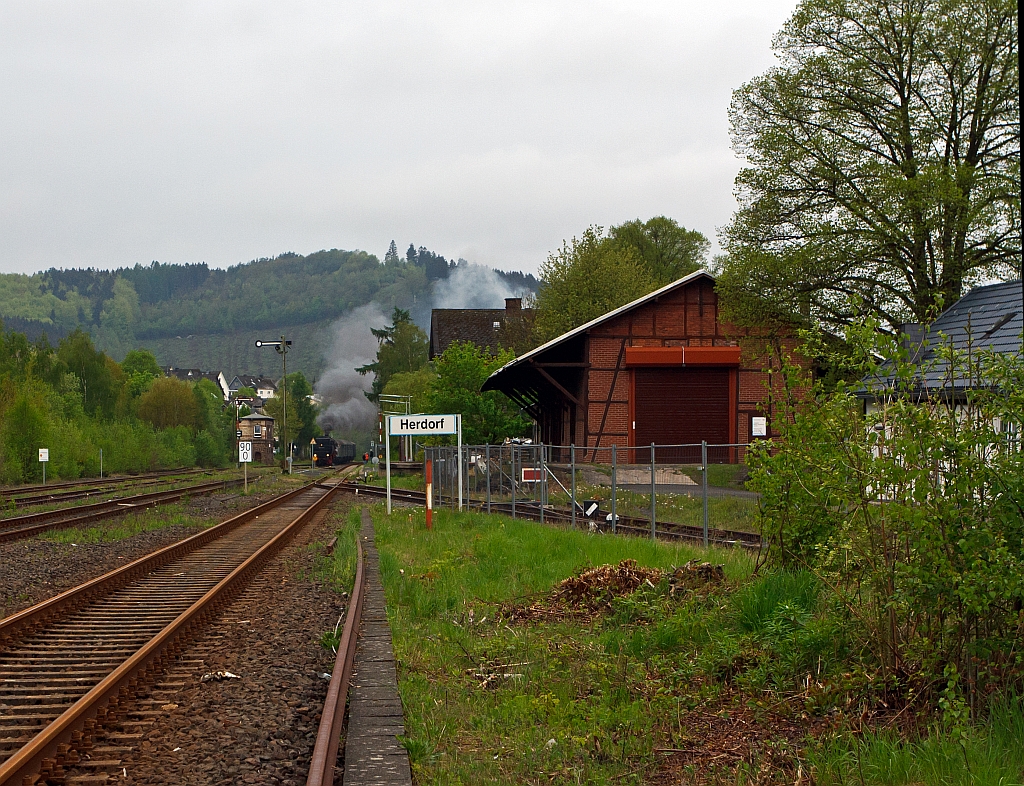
(108,488)
(16,492)
(70,665)
(631,525)
(31,524)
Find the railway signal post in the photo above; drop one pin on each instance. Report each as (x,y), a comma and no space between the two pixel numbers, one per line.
(282,349)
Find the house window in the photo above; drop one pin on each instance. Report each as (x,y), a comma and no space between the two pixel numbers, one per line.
(497,325)
(257,431)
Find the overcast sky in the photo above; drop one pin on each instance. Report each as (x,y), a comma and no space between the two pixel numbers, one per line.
(224,131)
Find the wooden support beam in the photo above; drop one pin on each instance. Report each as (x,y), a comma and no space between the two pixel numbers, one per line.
(557,384)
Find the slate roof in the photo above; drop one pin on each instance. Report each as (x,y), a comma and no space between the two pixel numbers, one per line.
(249,381)
(481,326)
(986,318)
(255,416)
(448,325)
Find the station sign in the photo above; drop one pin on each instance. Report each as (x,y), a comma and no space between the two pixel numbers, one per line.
(244,452)
(416,425)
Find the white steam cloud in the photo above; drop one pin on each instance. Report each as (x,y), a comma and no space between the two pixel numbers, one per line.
(340,388)
(472,286)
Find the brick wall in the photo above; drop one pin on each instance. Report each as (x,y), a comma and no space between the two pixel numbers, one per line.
(688,316)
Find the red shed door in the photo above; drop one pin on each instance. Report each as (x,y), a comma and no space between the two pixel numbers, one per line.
(680,406)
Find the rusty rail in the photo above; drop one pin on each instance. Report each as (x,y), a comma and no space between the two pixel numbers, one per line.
(325,752)
(627,524)
(30,524)
(105,488)
(44,756)
(10,492)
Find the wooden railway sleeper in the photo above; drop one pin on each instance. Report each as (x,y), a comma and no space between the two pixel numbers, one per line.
(159,659)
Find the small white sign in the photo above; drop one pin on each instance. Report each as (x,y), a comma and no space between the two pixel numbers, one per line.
(406,425)
(44,454)
(244,452)
(759,426)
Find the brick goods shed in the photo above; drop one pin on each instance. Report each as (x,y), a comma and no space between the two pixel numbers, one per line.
(662,369)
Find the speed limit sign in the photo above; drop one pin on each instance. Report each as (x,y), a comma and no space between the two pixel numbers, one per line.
(244,452)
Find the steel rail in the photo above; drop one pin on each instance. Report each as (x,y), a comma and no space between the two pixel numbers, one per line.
(6,492)
(642,526)
(328,735)
(56,744)
(67,601)
(93,491)
(30,524)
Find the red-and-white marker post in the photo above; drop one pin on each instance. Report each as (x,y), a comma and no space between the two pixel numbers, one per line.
(429,473)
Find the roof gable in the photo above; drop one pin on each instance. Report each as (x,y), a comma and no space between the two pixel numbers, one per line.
(614,314)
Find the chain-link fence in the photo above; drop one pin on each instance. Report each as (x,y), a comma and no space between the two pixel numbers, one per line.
(694,490)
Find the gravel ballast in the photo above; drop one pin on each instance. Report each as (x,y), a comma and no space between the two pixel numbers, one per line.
(260,727)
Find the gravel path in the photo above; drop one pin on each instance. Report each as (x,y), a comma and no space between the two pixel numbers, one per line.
(260,728)
(34,570)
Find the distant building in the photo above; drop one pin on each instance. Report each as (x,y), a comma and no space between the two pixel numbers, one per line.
(264,386)
(988,318)
(259,430)
(489,328)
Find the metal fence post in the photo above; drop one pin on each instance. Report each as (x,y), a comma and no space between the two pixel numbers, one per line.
(572,470)
(512,454)
(540,483)
(704,466)
(487,451)
(654,496)
(614,518)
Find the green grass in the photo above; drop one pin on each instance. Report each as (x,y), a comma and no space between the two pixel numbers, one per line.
(733,513)
(991,755)
(592,687)
(130,525)
(338,569)
(413,482)
(613,689)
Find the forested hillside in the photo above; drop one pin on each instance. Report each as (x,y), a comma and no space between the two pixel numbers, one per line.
(192,315)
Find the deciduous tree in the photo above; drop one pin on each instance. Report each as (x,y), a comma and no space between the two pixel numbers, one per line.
(169,402)
(486,417)
(883,160)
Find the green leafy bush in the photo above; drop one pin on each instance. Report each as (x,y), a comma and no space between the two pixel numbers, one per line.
(910,514)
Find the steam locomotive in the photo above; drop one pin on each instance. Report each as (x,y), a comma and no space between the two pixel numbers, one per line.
(328,452)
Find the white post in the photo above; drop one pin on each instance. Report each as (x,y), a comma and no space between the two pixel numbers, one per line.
(245,474)
(101,463)
(458,425)
(387,454)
